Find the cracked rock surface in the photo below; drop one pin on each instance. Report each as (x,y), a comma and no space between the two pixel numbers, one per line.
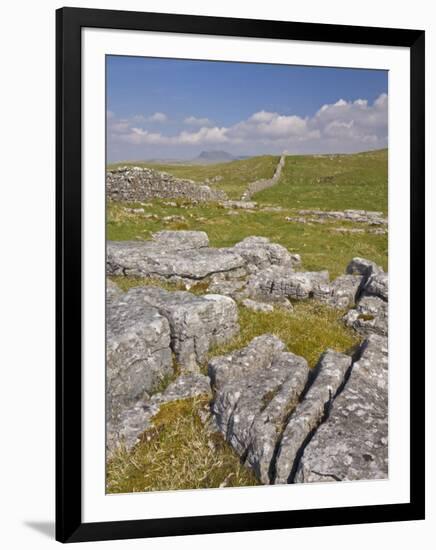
(196,322)
(352,443)
(309,414)
(255,389)
(138,353)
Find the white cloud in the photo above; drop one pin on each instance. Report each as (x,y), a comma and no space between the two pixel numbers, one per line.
(197,121)
(337,127)
(158,117)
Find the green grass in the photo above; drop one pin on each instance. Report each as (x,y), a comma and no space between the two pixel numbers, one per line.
(332,182)
(179,452)
(308,330)
(319,247)
(235,175)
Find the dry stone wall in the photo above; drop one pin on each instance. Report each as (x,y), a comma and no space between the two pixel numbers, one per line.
(260,185)
(132,184)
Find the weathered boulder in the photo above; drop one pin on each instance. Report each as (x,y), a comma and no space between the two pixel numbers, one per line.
(343,291)
(377,285)
(310,412)
(259,253)
(361,266)
(255,389)
(133,421)
(353,443)
(196,322)
(244,205)
(227,287)
(279,282)
(369,316)
(181,240)
(138,354)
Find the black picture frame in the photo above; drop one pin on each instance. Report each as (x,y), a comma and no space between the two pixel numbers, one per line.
(69,525)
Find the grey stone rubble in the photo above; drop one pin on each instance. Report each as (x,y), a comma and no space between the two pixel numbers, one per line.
(260,185)
(309,414)
(319,216)
(138,354)
(135,420)
(353,443)
(196,323)
(133,184)
(254,389)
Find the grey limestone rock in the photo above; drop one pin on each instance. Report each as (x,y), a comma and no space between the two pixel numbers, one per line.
(278,282)
(133,421)
(343,291)
(353,443)
(308,415)
(259,253)
(361,266)
(377,285)
(196,322)
(369,316)
(138,351)
(162,259)
(255,389)
(112,290)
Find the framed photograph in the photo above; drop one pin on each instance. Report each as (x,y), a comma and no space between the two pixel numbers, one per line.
(240,275)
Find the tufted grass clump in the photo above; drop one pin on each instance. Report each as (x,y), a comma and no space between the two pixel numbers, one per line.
(308,330)
(179,452)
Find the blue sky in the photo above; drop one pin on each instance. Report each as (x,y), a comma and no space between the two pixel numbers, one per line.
(163,108)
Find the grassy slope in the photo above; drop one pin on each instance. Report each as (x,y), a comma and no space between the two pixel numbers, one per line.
(236,175)
(332,182)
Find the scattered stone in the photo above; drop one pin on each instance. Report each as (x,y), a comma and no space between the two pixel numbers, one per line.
(347,230)
(175,218)
(370,316)
(257,306)
(255,388)
(244,205)
(134,210)
(196,322)
(353,443)
(308,415)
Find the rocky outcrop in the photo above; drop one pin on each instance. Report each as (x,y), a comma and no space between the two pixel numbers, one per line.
(291,425)
(186,256)
(353,443)
(260,185)
(138,354)
(133,184)
(196,323)
(171,257)
(369,316)
(135,420)
(254,390)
